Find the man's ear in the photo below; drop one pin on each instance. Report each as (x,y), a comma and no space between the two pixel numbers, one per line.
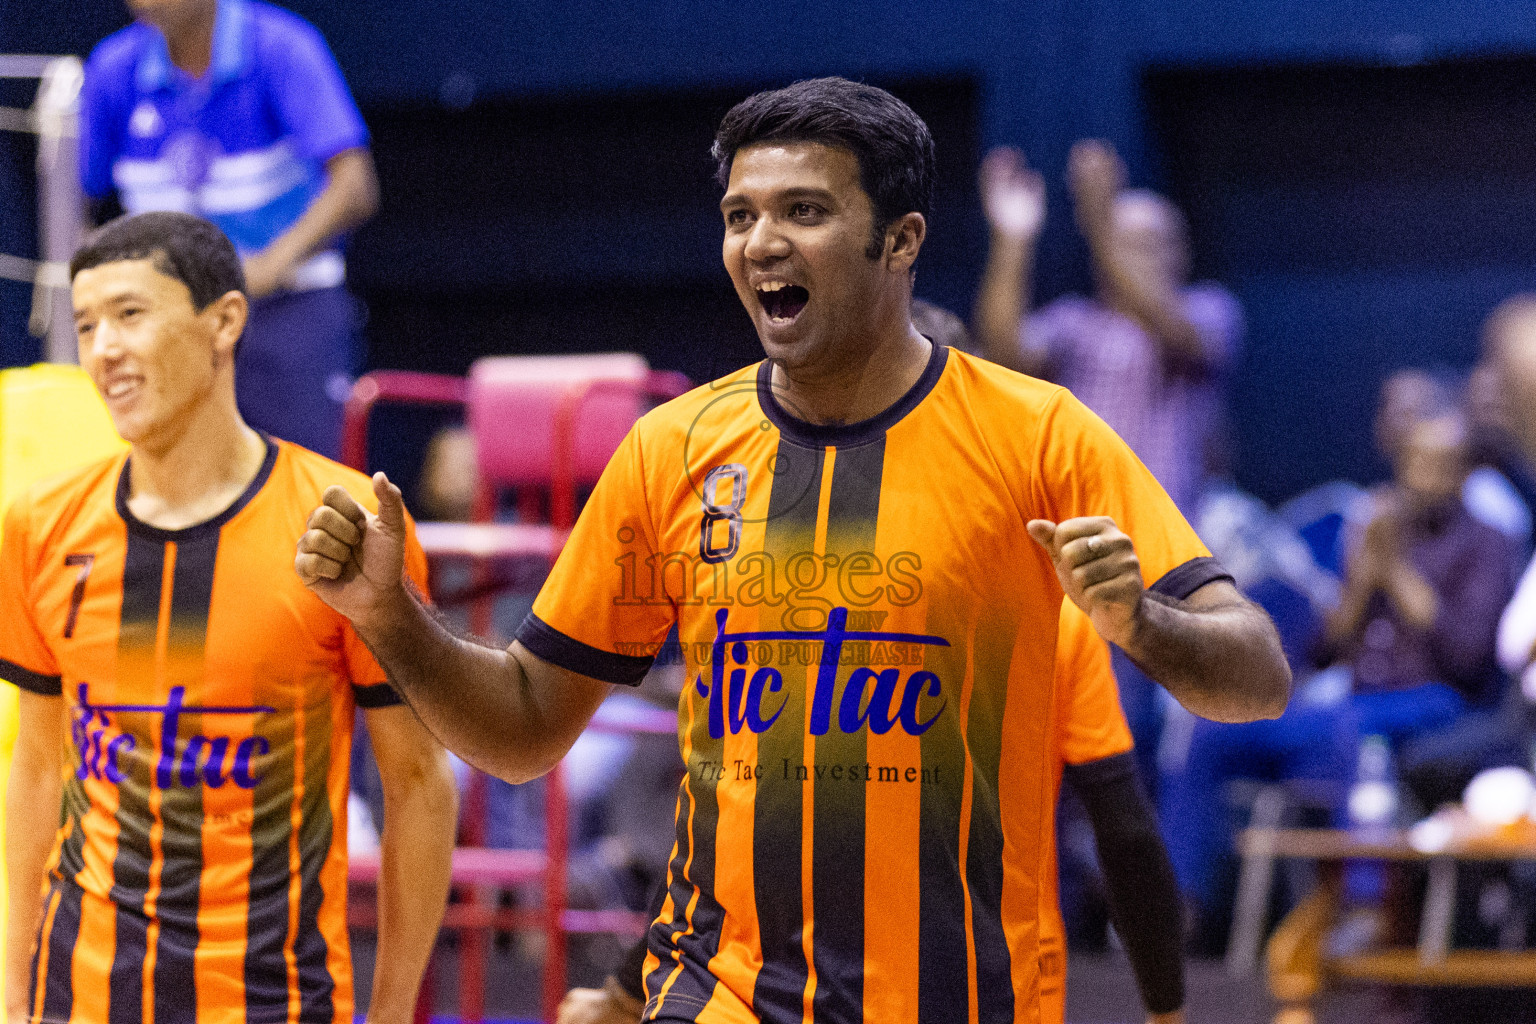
(229,312)
(903,238)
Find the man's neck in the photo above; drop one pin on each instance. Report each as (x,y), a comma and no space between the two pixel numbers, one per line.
(190,42)
(193,477)
(860,388)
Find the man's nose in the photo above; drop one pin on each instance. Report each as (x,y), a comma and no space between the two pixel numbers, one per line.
(106,342)
(765,241)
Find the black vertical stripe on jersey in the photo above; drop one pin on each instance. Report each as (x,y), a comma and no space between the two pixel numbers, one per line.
(72,811)
(943,969)
(143,578)
(779,995)
(700,938)
(658,939)
(266,921)
(316,830)
(181,805)
(694,867)
(58,991)
(837,845)
(991,653)
(56,948)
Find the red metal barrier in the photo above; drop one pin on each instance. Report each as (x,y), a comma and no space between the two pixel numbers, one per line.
(477,870)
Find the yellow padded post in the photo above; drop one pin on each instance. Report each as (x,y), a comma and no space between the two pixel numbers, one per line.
(51,420)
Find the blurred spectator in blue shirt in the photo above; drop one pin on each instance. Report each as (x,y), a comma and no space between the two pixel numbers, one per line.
(236,111)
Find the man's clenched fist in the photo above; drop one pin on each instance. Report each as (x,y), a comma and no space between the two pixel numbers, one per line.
(597,1006)
(1099,570)
(352,560)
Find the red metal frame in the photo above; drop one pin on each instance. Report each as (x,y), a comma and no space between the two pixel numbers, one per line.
(476,868)
(399,387)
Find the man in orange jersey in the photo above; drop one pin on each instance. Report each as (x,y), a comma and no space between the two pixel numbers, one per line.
(864,543)
(186,702)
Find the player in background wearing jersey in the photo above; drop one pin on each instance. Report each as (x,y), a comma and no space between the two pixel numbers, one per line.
(1093,749)
(880,533)
(186,702)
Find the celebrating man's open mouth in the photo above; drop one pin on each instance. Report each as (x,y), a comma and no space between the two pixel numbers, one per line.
(782,302)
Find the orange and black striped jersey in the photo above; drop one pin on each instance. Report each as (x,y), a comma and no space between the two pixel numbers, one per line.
(870,640)
(1090,726)
(200,868)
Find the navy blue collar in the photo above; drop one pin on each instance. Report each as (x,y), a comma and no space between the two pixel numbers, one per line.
(847,435)
(213,525)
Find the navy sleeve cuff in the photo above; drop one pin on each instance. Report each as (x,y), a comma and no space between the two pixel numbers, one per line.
(547,642)
(1103,772)
(32,682)
(1181,581)
(379,695)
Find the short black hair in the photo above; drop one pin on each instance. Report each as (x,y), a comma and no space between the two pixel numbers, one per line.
(892,144)
(188,248)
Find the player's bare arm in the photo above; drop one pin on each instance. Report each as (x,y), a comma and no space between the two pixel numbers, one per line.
(31,820)
(350,198)
(421,815)
(506,712)
(1216,652)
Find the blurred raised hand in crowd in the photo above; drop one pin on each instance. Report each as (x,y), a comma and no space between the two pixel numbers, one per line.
(1013,196)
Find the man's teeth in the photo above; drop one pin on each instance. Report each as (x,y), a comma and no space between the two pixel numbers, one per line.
(119,388)
(772,286)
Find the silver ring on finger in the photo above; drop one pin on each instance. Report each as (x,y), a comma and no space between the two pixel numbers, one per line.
(1093,544)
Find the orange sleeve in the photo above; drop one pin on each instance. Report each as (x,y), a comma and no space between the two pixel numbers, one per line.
(25,658)
(591,617)
(370,686)
(1091,726)
(1084,469)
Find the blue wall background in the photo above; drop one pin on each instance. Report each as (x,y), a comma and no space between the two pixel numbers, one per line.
(1325,325)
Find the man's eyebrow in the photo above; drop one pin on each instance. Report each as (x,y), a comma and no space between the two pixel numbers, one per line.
(809,192)
(118,298)
(798,192)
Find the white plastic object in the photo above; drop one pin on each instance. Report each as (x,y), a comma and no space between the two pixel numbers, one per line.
(1499,796)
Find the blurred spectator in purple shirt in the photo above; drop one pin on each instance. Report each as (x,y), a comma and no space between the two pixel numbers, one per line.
(1149,353)
(1425,585)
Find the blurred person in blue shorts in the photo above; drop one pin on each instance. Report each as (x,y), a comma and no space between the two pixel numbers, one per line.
(235,110)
